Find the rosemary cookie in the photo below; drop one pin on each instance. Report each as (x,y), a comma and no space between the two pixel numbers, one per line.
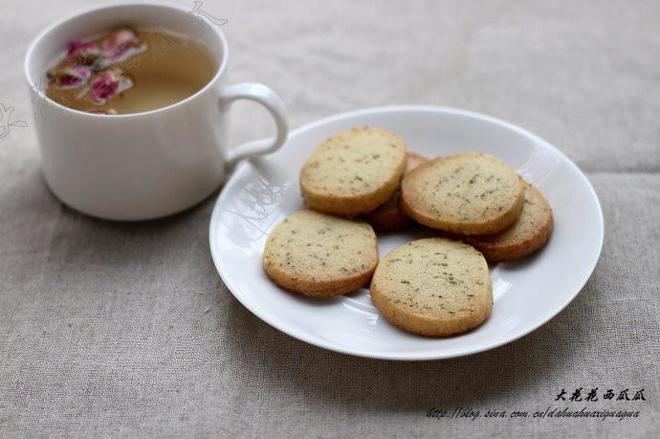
(527,235)
(354,171)
(388,217)
(471,194)
(320,255)
(435,287)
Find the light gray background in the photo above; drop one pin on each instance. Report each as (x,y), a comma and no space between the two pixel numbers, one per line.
(113,329)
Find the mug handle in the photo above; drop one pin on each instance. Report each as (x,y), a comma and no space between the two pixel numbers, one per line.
(265,96)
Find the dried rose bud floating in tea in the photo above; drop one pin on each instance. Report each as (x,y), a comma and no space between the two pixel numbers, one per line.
(70,77)
(129,71)
(108,84)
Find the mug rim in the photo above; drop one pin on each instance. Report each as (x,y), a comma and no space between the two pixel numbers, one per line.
(174,6)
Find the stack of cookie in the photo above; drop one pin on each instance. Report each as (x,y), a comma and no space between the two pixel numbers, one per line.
(365,179)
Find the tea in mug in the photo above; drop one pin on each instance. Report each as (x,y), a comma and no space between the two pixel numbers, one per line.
(129,71)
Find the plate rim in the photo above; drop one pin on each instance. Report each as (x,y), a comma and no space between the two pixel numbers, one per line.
(432,354)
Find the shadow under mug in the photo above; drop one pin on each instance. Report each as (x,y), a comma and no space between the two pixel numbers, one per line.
(144,165)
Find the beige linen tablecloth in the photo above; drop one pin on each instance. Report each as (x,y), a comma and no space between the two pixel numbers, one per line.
(111,329)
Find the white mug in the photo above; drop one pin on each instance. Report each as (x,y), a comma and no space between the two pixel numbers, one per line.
(143,165)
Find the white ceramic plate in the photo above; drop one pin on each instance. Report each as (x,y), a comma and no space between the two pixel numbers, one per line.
(528,293)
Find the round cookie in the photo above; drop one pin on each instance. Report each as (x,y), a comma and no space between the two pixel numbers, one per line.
(388,217)
(471,194)
(527,235)
(353,172)
(320,255)
(434,287)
